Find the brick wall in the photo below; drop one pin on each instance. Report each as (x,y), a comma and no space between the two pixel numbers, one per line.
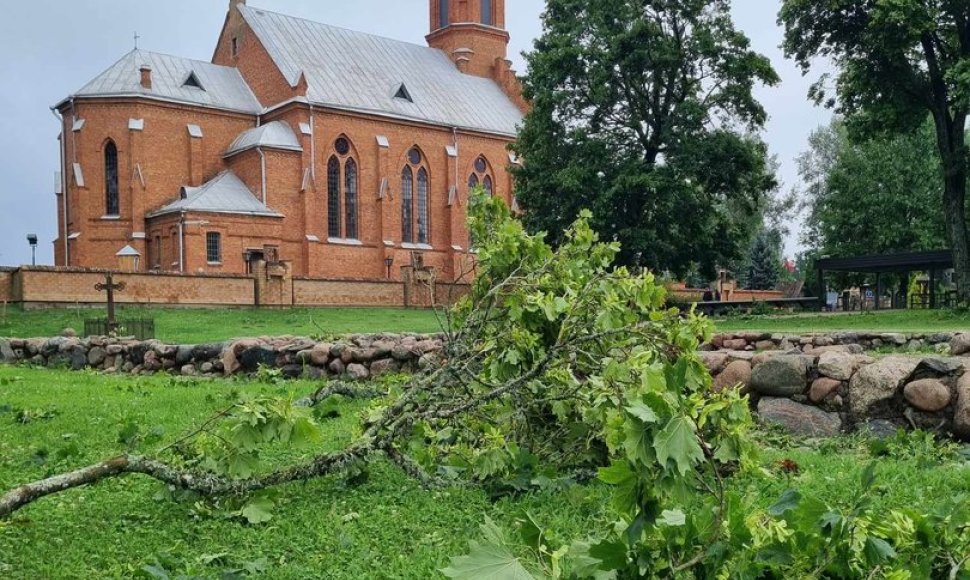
(47,287)
(6,285)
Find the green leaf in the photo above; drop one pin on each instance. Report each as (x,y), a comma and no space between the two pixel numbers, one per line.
(878,550)
(258,511)
(869,476)
(678,441)
(642,411)
(788,501)
(613,555)
(672,518)
(488,560)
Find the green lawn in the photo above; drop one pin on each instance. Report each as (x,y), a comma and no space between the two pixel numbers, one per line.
(386,527)
(887,321)
(195,326)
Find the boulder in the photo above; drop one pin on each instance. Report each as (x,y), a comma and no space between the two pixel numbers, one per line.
(714,361)
(799,419)
(252,358)
(114,349)
(337,366)
(430,360)
(781,376)
(960,344)
(940,337)
(927,395)
(384,366)
(879,428)
(735,344)
(292,371)
(188,370)
(207,367)
(7,354)
(96,356)
(822,388)
(357,372)
(961,417)
(208,352)
(183,355)
(320,355)
(894,339)
(838,365)
(735,374)
(878,382)
(79,358)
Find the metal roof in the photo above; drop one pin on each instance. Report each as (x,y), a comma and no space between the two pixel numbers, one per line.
(275,135)
(226,193)
(222,87)
(361,72)
(937,259)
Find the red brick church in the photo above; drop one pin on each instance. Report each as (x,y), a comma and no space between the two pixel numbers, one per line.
(343,154)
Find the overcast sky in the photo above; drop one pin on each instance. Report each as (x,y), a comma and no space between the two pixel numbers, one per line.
(52,48)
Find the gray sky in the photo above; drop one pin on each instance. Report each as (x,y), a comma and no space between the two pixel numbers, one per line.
(52,48)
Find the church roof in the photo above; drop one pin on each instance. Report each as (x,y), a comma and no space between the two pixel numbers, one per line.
(226,193)
(361,72)
(213,85)
(275,135)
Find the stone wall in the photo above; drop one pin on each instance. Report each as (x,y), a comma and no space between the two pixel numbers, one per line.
(6,285)
(357,357)
(823,385)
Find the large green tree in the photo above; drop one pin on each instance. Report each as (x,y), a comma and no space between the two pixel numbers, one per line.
(874,196)
(898,61)
(642,111)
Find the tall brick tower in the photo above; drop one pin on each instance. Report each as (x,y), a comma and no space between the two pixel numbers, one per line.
(472,33)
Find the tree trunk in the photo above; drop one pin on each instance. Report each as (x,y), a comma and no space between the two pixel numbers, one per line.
(951,135)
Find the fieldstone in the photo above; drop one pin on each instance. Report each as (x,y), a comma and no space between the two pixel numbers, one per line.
(252,358)
(207,367)
(364,355)
(69,333)
(384,366)
(734,355)
(114,349)
(736,374)
(961,417)
(838,365)
(166,350)
(894,339)
(292,371)
(7,354)
(781,376)
(127,367)
(320,355)
(348,354)
(208,352)
(939,337)
(183,354)
(188,370)
(960,344)
(337,366)
(822,388)
(430,360)
(765,345)
(799,419)
(357,372)
(714,361)
(96,356)
(168,364)
(426,346)
(928,395)
(718,340)
(402,353)
(735,344)
(79,359)
(382,349)
(824,341)
(878,382)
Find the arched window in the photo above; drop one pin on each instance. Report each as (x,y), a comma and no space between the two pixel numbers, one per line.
(112,201)
(487,15)
(333,197)
(407,200)
(443,13)
(343,180)
(423,233)
(481,175)
(350,198)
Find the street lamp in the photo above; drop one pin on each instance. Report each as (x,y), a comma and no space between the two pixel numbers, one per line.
(32,240)
(389,261)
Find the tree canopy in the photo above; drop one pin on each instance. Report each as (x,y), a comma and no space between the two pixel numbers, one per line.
(643,113)
(880,195)
(898,61)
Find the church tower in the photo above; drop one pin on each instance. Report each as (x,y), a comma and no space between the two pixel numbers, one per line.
(472,33)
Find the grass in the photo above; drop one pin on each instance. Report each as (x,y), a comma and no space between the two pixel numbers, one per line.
(907,321)
(196,326)
(386,527)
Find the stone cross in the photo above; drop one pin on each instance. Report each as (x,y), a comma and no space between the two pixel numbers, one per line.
(110,287)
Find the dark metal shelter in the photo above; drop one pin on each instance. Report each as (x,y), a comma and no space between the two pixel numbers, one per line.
(935,262)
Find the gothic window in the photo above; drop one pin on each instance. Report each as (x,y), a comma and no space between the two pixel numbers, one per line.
(423,234)
(112,201)
(350,198)
(407,199)
(333,197)
(213,247)
(487,12)
(443,13)
(415,203)
(481,176)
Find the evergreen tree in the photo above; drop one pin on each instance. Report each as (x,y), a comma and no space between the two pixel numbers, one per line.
(764,268)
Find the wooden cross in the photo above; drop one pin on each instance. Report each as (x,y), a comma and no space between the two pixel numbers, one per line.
(110,287)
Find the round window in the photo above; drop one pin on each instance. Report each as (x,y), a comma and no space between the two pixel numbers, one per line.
(480,165)
(414,156)
(342,146)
